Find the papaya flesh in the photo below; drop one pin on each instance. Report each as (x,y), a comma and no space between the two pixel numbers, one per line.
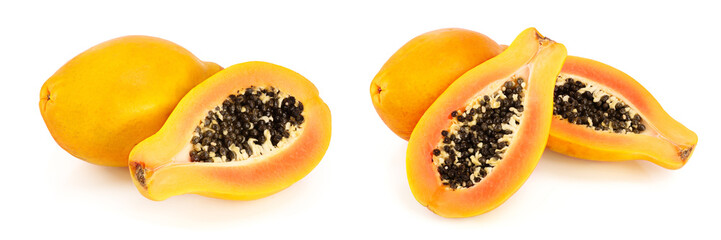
(419,71)
(112,96)
(228,139)
(522,77)
(646,131)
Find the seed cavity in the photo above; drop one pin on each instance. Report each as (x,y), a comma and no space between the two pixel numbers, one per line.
(583,103)
(479,136)
(250,123)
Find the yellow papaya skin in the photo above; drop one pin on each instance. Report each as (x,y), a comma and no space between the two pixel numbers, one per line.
(418,72)
(104,101)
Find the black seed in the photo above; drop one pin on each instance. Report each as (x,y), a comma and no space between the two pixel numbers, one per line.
(275,140)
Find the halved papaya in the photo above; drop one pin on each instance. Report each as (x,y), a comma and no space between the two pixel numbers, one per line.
(246,132)
(481,139)
(601,113)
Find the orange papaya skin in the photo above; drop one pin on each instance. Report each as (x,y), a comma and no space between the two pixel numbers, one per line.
(112,96)
(530,56)
(164,161)
(666,142)
(419,71)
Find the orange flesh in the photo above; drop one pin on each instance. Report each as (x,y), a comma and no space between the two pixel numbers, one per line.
(165,155)
(661,143)
(543,59)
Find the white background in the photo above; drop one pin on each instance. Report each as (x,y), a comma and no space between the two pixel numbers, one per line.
(359,190)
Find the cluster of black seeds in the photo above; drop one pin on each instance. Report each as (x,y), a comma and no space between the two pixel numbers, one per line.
(242,118)
(461,165)
(580,108)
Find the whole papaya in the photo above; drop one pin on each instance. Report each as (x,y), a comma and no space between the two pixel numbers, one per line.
(104,101)
(418,72)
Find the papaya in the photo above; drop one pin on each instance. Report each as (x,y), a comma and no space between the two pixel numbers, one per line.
(601,113)
(246,132)
(110,97)
(421,69)
(481,139)
(650,134)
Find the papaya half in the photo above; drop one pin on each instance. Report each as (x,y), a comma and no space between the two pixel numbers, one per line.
(481,139)
(246,132)
(419,71)
(112,96)
(601,113)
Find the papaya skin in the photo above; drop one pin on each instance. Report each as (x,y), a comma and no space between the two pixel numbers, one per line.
(163,158)
(418,72)
(117,93)
(666,142)
(531,56)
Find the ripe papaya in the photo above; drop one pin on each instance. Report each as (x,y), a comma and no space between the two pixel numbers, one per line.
(601,113)
(648,132)
(419,71)
(481,139)
(246,132)
(117,93)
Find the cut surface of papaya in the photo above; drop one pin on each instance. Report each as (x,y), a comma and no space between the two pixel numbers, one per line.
(419,71)
(246,132)
(481,139)
(601,113)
